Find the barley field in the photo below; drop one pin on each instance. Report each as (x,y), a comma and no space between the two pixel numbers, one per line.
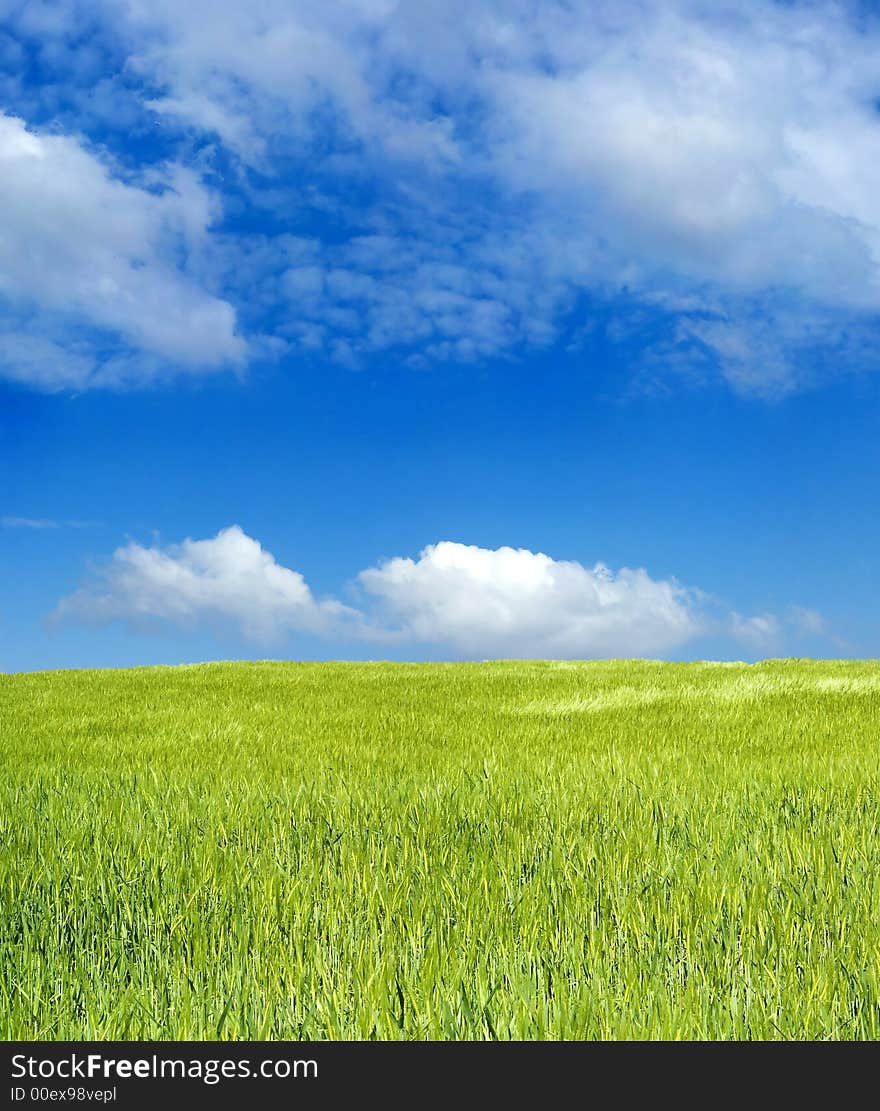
(423,851)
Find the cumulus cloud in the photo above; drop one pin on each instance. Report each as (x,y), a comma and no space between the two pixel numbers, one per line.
(228,581)
(513,602)
(81,249)
(469,601)
(472,600)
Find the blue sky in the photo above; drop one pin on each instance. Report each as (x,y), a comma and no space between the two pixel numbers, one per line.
(428,331)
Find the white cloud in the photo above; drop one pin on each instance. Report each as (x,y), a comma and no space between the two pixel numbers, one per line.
(759,633)
(40,362)
(257,75)
(706,153)
(41,523)
(723,141)
(436,299)
(229,581)
(732,146)
(465,600)
(475,601)
(28,522)
(81,248)
(807,621)
(767,632)
(513,602)
(715,162)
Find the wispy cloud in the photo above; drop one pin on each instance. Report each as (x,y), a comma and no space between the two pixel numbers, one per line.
(807,620)
(28,522)
(760,633)
(41,523)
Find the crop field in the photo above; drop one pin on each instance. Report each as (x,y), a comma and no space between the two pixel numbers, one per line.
(503,850)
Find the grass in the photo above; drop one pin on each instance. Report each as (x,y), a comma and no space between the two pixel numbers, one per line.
(508,850)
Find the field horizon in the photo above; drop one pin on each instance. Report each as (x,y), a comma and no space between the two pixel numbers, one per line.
(508,849)
(452,662)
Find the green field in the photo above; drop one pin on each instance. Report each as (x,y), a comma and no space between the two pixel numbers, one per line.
(505,850)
